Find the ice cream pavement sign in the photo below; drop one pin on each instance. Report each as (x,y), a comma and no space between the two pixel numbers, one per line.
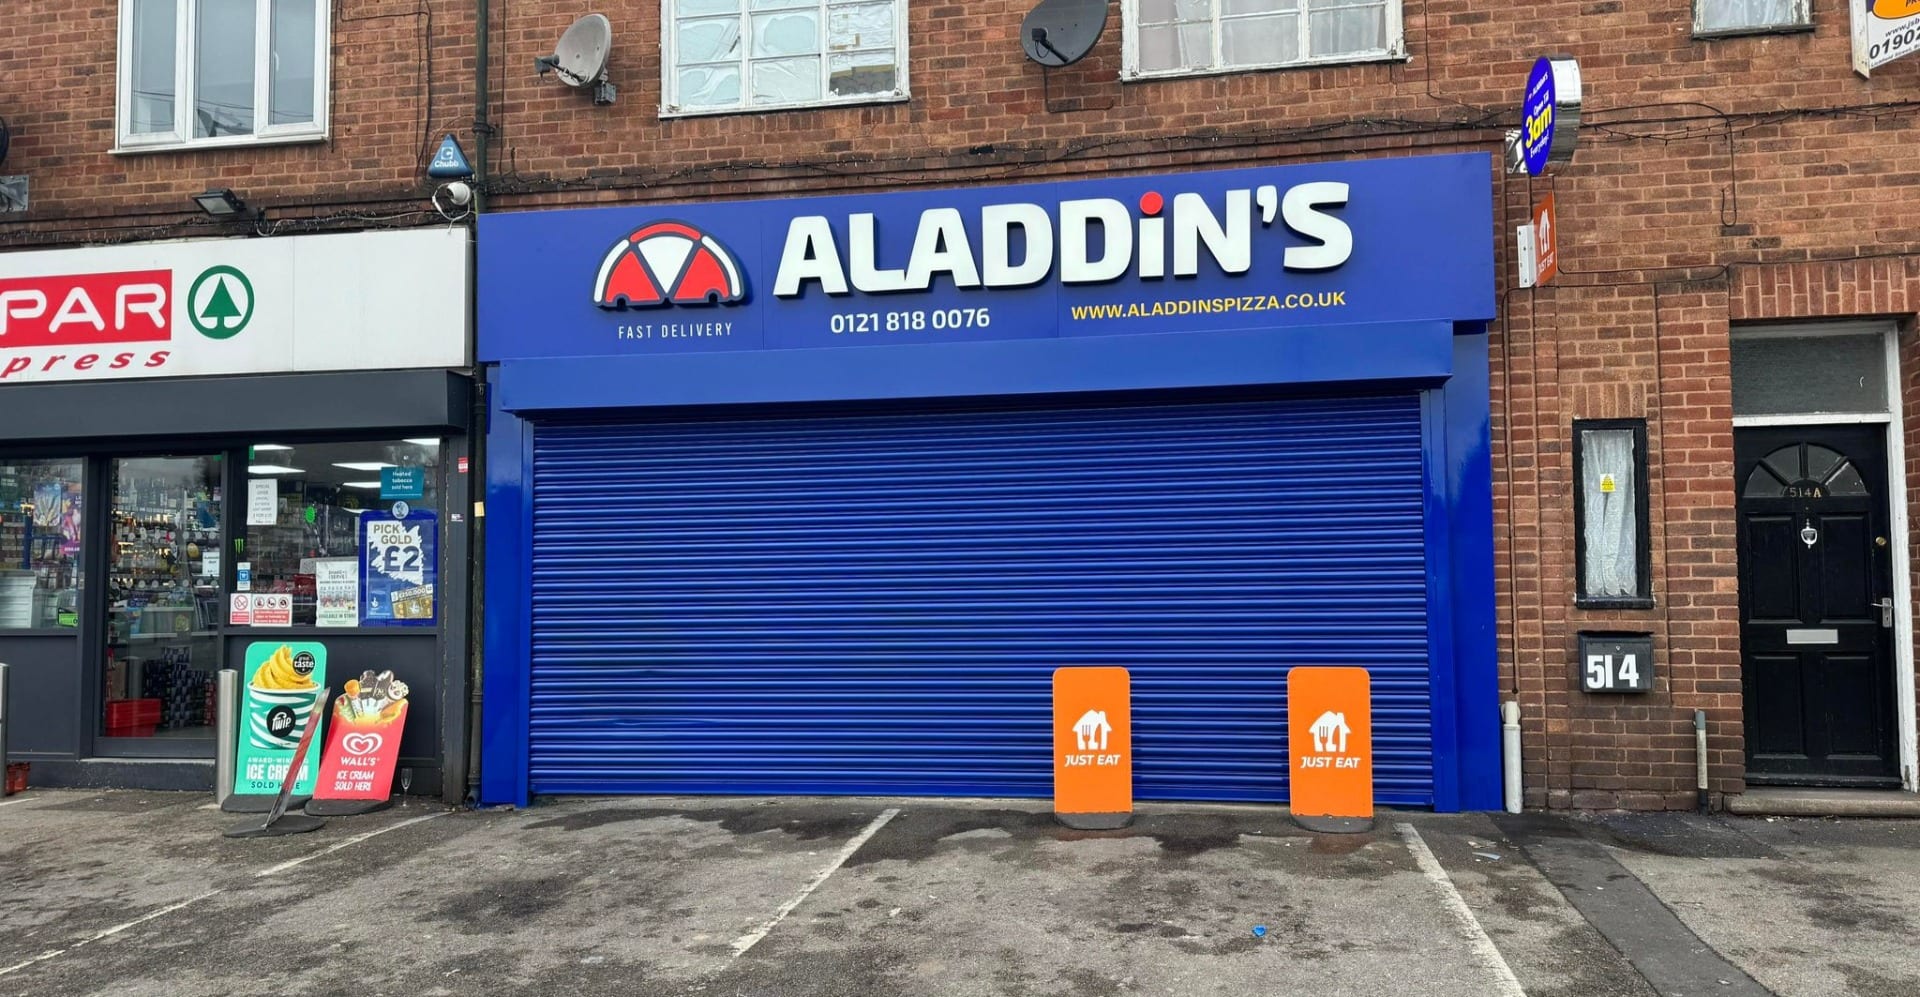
(283,681)
(363,746)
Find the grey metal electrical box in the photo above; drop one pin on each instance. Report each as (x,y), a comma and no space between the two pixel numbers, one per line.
(1615,662)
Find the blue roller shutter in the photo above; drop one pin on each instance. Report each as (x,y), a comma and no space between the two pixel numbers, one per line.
(862,602)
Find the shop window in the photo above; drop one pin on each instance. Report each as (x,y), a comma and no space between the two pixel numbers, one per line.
(1610,514)
(1176,37)
(40,517)
(163,596)
(1734,17)
(345,533)
(222,72)
(751,55)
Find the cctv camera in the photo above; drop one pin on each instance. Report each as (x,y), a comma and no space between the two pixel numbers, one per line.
(460,193)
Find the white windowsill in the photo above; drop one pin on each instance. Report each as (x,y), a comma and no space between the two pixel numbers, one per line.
(812,105)
(233,142)
(1137,76)
(1709,34)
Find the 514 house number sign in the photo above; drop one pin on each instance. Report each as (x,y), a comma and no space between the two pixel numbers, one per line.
(1616,662)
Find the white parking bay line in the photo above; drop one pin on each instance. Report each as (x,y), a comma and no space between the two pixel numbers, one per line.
(336,846)
(1506,984)
(752,938)
(170,908)
(110,932)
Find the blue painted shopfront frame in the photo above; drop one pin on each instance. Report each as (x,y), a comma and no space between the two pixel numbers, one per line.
(1422,258)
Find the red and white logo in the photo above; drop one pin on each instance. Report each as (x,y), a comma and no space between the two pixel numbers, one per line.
(668,263)
(83,309)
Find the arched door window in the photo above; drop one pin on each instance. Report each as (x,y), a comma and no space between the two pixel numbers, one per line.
(1804,471)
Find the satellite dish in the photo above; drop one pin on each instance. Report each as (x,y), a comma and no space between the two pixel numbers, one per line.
(580,59)
(1062,32)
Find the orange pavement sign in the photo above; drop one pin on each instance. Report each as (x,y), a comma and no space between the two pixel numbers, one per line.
(1330,737)
(1092,748)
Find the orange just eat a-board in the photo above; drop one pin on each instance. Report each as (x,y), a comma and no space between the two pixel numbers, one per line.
(1092,748)
(1330,756)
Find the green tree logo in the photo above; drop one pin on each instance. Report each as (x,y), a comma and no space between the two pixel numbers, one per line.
(220,302)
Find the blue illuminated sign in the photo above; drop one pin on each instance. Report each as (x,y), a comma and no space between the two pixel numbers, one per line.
(1536,117)
(1310,245)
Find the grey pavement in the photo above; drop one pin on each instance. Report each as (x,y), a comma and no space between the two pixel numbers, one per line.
(127,893)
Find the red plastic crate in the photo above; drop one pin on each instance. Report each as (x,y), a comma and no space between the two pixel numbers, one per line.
(132,717)
(132,713)
(16,779)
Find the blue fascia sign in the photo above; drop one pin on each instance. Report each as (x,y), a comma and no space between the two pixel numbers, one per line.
(1269,248)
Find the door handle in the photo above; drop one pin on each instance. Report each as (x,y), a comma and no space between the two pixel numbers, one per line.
(1886,611)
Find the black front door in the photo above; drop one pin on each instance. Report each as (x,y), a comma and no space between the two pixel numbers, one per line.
(1816,612)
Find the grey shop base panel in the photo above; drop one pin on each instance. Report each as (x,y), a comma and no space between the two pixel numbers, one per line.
(171,774)
(184,774)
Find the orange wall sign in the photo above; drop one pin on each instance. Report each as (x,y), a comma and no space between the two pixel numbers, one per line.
(1546,241)
(1330,736)
(1092,747)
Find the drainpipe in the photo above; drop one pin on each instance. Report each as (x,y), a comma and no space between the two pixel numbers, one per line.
(476,547)
(1700,758)
(1510,751)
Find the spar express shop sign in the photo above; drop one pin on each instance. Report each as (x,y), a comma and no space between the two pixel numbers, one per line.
(234,306)
(1388,240)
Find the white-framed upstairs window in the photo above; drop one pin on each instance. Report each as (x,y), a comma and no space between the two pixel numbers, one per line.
(1739,17)
(764,55)
(195,73)
(1185,37)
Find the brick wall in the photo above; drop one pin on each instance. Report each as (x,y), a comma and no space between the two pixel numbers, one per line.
(402,76)
(1733,180)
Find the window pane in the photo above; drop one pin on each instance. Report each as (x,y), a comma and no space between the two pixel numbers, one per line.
(710,86)
(787,33)
(780,4)
(1345,30)
(1246,41)
(1231,7)
(1156,11)
(786,81)
(153,62)
(163,597)
(40,517)
(695,8)
(1608,489)
(1192,10)
(321,492)
(862,73)
(1809,375)
(1175,46)
(712,40)
(1719,15)
(290,83)
(867,25)
(223,76)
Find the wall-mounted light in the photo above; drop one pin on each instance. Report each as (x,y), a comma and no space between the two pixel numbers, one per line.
(220,202)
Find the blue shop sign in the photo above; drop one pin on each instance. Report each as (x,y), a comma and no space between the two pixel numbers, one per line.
(1324,244)
(1536,117)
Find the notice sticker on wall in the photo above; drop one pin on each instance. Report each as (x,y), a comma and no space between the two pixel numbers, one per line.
(1607,484)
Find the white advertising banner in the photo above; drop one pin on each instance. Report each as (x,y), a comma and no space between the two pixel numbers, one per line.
(1883,30)
(364,301)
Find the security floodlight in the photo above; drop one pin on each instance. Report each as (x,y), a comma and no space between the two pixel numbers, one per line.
(220,203)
